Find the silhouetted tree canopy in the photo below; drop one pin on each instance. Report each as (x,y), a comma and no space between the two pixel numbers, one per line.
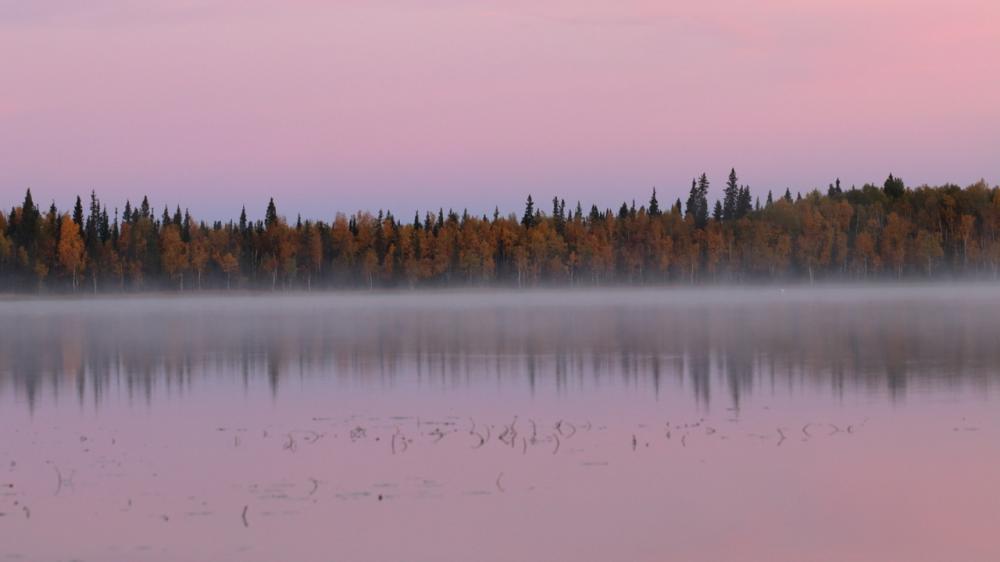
(888,231)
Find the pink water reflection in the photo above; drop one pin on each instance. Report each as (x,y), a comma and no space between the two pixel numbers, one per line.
(625,467)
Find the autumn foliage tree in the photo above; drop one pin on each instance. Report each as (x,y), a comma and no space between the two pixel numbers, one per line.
(884,231)
(71,249)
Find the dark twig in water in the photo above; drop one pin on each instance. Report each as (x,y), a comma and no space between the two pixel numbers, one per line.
(402,440)
(634,442)
(684,440)
(835,429)
(482,441)
(559,428)
(61,480)
(308,435)
(805,430)
(509,434)
(524,446)
(244,516)
(315,487)
(556,436)
(781,435)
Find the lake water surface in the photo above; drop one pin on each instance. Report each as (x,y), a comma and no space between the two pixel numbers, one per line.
(722,425)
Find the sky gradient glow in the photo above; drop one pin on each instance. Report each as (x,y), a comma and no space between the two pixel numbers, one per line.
(343,105)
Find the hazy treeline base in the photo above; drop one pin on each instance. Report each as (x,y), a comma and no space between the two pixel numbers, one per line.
(887,231)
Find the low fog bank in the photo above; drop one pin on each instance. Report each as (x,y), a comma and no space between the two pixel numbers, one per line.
(872,338)
(299,302)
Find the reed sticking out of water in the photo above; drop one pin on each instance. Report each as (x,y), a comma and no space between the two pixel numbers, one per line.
(559,426)
(61,480)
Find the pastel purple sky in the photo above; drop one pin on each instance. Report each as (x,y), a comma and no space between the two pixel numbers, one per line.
(340,105)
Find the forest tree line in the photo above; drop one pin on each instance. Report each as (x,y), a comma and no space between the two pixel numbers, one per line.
(873,232)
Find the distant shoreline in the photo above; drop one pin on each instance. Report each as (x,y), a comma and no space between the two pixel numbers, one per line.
(874,233)
(958,287)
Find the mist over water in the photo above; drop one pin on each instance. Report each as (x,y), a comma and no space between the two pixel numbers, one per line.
(717,348)
(710,424)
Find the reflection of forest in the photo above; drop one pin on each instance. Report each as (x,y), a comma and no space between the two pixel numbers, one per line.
(714,351)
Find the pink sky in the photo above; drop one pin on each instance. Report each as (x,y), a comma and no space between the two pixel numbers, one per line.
(364,104)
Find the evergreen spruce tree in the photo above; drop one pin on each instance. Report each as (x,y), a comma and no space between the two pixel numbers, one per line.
(623,211)
(115,233)
(894,187)
(78,215)
(104,232)
(528,220)
(744,202)
(697,203)
(731,197)
(271,215)
(654,205)
(26,234)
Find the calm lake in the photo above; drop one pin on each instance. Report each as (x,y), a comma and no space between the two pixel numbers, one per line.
(717,425)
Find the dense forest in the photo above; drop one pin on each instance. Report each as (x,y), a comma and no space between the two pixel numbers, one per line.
(873,232)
